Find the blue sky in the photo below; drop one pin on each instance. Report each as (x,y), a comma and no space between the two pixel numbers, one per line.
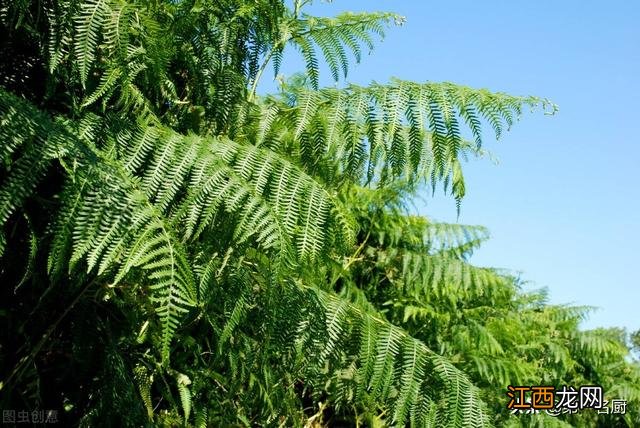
(563,203)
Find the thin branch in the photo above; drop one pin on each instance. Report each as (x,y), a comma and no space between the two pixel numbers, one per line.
(263,66)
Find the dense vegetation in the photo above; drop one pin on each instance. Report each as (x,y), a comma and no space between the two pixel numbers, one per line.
(178,249)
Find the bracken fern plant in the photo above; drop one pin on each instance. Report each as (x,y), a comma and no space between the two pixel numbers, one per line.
(178,249)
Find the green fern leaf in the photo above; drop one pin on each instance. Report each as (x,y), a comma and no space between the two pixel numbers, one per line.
(88,24)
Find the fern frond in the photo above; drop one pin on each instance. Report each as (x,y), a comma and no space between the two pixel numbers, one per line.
(60,29)
(406,128)
(116,226)
(173,290)
(88,26)
(108,82)
(112,223)
(183,383)
(20,127)
(144,380)
(240,309)
(334,37)
(396,369)
(597,344)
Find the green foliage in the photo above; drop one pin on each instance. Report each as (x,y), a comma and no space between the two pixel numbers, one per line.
(381,133)
(334,36)
(177,250)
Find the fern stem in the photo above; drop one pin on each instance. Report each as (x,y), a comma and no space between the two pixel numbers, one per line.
(263,66)
(354,258)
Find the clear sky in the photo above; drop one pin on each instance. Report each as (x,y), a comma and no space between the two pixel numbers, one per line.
(563,203)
